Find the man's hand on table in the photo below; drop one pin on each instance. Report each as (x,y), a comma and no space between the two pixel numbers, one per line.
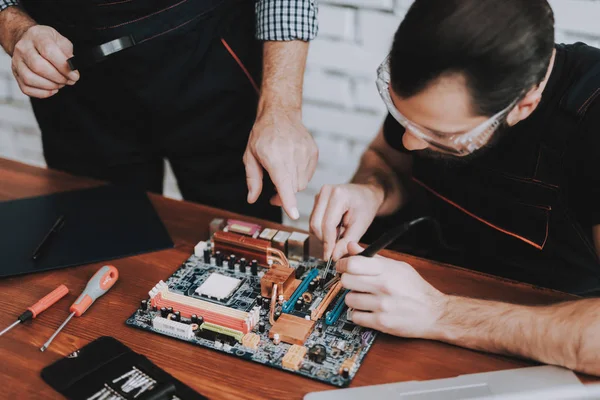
(39,54)
(390,296)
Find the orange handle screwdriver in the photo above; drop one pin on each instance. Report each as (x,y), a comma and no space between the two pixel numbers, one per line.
(39,307)
(100,283)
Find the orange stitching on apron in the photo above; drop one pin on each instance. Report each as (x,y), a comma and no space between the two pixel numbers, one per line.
(591,98)
(241,64)
(142,18)
(170,30)
(537,246)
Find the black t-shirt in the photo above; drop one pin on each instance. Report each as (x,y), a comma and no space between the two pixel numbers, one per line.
(582,161)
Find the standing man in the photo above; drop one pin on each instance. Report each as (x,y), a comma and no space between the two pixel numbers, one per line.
(500,128)
(199,88)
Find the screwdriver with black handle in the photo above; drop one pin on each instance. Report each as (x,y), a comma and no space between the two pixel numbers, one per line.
(39,307)
(98,285)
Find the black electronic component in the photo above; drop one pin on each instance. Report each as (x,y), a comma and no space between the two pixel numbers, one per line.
(194,319)
(200,320)
(144,305)
(277,315)
(242,265)
(219,258)
(266,302)
(317,353)
(206,256)
(231,262)
(299,304)
(348,327)
(177,316)
(261,327)
(300,271)
(154,308)
(254,267)
(96,54)
(206,334)
(259,301)
(345,373)
(169,310)
(164,312)
(312,285)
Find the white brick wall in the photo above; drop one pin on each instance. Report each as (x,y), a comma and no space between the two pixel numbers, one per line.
(342,108)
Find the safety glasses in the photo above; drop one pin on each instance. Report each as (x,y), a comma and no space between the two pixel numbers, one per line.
(460,144)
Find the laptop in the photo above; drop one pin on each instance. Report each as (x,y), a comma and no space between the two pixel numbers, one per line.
(473,386)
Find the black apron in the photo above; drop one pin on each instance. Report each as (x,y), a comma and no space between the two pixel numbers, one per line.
(508,212)
(187,92)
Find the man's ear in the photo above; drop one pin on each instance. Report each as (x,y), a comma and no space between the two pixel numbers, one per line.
(525,107)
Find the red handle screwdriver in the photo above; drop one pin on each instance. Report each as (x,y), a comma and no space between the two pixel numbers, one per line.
(39,307)
(99,284)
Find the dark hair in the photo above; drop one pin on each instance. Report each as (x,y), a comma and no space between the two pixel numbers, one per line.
(502,48)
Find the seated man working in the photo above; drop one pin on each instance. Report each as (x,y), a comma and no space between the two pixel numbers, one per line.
(499,129)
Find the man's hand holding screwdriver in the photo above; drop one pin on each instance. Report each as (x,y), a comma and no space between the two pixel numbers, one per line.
(39,54)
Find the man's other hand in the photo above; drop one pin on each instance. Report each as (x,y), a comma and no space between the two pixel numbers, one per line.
(281,145)
(352,205)
(390,296)
(39,61)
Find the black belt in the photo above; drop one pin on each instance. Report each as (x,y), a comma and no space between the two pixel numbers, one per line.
(142,31)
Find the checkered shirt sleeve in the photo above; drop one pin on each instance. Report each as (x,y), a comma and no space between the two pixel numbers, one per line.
(286,20)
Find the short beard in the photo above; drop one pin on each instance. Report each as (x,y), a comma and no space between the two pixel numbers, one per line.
(449,159)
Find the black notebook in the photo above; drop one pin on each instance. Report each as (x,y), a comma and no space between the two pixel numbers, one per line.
(100,224)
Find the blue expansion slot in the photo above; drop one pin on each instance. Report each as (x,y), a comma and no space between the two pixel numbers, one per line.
(289,305)
(334,314)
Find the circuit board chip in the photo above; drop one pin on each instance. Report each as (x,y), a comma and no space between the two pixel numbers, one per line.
(218,286)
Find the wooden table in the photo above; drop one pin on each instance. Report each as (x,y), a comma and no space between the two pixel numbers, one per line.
(211,373)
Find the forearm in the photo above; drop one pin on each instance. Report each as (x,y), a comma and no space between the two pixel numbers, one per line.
(375,172)
(283,76)
(564,334)
(13,24)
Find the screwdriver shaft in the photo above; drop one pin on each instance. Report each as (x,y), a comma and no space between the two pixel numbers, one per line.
(10,327)
(45,346)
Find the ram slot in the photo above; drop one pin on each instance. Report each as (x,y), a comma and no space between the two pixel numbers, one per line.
(237,335)
(289,305)
(318,312)
(337,310)
(214,313)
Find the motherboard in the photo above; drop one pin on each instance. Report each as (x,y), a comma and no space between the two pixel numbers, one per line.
(256,294)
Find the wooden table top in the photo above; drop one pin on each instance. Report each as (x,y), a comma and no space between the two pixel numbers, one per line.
(211,373)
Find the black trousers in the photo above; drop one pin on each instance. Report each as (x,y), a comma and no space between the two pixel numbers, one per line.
(188,95)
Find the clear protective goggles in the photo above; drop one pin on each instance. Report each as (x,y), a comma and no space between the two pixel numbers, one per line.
(459,144)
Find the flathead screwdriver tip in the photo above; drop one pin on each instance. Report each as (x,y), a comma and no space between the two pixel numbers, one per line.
(44,347)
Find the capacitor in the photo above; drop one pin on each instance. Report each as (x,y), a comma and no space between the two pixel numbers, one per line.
(345,373)
(170,310)
(312,286)
(242,265)
(261,327)
(298,304)
(259,300)
(317,353)
(164,312)
(254,267)
(154,308)
(177,316)
(206,256)
(232,259)
(144,305)
(276,338)
(194,319)
(277,315)
(219,258)
(200,320)
(266,302)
